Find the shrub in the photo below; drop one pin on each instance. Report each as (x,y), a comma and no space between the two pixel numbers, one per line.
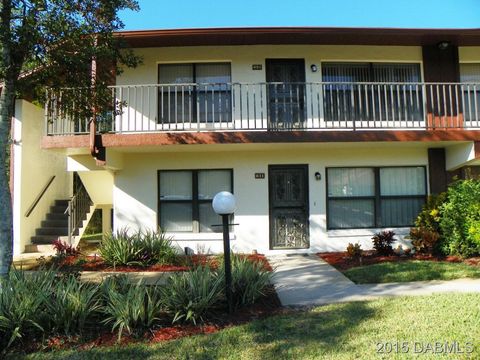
(424,240)
(354,251)
(22,306)
(429,217)
(159,247)
(382,242)
(142,249)
(191,295)
(71,304)
(460,219)
(131,308)
(249,280)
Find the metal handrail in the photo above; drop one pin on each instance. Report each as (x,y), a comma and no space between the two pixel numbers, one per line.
(261,106)
(39,196)
(77,210)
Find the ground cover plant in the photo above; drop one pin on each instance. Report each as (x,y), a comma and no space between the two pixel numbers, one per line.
(48,307)
(355,330)
(140,248)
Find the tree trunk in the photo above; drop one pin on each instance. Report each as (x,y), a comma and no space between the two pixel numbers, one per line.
(7,98)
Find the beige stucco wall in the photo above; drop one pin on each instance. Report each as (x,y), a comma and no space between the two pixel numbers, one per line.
(33,167)
(469,54)
(242,58)
(135,198)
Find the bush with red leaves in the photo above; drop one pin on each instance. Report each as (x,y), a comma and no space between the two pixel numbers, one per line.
(64,249)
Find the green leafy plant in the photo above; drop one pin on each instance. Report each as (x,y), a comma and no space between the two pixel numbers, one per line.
(71,304)
(22,305)
(139,248)
(460,219)
(191,295)
(130,308)
(354,251)
(159,247)
(382,243)
(424,240)
(249,280)
(429,217)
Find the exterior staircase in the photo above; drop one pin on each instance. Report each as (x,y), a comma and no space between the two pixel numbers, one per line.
(55,226)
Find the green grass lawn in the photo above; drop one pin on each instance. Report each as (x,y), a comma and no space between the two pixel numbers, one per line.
(412,270)
(340,331)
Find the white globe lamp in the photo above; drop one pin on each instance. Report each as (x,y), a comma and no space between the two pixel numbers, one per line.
(224,203)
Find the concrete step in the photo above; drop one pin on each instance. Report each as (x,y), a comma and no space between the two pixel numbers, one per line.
(57,231)
(58,209)
(55,223)
(38,248)
(44,239)
(57,216)
(62,203)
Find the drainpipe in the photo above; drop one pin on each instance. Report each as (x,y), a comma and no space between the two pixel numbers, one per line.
(96,149)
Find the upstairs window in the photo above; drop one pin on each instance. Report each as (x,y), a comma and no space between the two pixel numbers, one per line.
(372,92)
(470,79)
(194,93)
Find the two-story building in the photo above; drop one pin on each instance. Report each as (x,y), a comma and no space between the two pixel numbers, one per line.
(324,135)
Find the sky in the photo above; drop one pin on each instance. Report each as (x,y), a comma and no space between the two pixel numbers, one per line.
(176,14)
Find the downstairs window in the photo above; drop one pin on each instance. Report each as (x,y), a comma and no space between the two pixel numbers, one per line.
(370,197)
(185,199)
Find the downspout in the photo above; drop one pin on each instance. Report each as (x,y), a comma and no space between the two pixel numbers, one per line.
(12,151)
(95,141)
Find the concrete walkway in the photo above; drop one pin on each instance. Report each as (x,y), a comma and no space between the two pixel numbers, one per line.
(305,280)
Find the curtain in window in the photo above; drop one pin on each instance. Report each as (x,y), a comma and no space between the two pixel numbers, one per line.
(348,214)
(186,199)
(203,88)
(402,194)
(399,181)
(375,100)
(351,194)
(470,77)
(176,200)
(355,195)
(349,182)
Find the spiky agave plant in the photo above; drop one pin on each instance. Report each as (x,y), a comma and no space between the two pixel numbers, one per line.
(130,308)
(249,280)
(23,300)
(189,296)
(72,304)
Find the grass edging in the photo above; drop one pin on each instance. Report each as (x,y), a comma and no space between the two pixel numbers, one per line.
(411,270)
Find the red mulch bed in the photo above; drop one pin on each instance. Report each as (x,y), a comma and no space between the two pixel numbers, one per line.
(342,262)
(96,263)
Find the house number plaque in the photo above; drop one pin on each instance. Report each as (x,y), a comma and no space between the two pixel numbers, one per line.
(257,67)
(259,175)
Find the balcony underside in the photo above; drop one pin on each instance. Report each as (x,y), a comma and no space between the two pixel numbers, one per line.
(246,137)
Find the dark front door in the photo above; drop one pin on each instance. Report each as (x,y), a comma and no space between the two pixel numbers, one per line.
(286,93)
(288,194)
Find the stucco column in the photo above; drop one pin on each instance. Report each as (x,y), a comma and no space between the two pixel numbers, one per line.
(106,219)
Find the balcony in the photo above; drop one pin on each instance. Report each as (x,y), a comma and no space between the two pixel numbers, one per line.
(224,107)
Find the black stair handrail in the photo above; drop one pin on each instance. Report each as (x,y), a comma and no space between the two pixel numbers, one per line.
(77,210)
(39,196)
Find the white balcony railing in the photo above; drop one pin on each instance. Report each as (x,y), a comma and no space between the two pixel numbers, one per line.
(274,106)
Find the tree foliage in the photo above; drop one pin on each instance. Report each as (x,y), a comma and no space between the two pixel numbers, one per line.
(51,43)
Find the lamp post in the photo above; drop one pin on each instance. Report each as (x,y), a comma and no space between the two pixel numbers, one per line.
(224,205)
